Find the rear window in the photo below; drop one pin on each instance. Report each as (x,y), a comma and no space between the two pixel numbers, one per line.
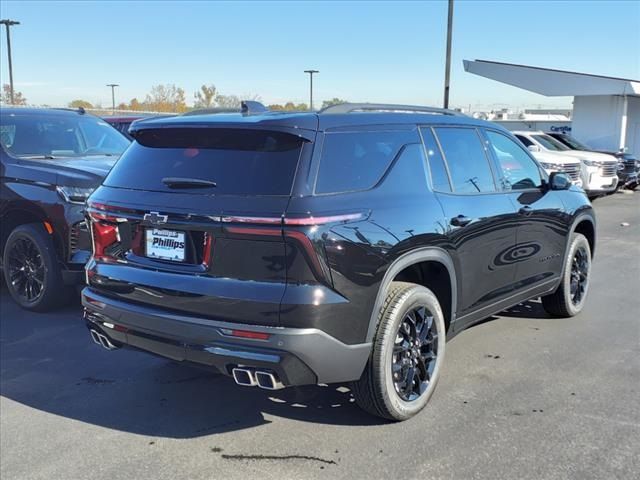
(356,160)
(238,161)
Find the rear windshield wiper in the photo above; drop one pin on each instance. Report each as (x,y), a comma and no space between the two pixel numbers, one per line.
(38,157)
(179,182)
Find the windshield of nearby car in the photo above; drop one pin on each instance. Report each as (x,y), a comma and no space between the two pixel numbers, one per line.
(574,144)
(52,135)
(550,143)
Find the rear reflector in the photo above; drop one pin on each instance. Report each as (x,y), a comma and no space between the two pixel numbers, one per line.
(245,334)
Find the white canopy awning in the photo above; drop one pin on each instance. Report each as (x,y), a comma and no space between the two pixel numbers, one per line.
(552,83)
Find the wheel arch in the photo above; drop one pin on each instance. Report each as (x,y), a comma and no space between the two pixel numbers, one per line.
(409,265)
(15,216)
(585,225)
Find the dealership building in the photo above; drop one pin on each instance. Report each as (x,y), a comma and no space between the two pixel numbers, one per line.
(606,110)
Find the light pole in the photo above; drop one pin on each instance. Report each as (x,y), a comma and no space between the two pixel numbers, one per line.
(9,23)
(311,72)
(447,67)
(113,96)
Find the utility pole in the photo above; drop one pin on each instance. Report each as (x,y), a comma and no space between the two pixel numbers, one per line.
(113,96)
(447,68)
(9,23)
(311,72)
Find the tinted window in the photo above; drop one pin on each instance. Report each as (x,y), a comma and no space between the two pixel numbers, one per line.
(519,171)
(525,141)
(439,175)
(550,143)
(466,159)
(239,161)
(56,135)
(571,142)
(356,160)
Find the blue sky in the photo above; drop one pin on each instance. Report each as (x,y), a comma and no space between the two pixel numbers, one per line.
(365,51)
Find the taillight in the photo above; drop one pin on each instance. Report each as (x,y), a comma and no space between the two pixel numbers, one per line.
(104,235)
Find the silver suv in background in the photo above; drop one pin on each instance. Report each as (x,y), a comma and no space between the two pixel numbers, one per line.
(598,170)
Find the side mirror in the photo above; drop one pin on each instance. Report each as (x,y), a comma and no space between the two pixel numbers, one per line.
(559,181)
(533,148)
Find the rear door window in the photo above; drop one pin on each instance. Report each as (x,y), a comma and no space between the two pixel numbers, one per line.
(238,161)
(354,161)
(466,159)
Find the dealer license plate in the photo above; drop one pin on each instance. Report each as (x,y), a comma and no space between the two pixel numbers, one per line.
(165,244)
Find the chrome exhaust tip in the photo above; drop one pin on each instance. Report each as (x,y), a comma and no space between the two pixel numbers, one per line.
(268,381)
(244,377)
(95,337)
(102,340)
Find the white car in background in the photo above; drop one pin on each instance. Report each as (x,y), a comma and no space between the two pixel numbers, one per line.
(598,170)
(554,162)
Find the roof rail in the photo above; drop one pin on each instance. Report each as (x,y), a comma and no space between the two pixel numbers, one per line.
(385,107)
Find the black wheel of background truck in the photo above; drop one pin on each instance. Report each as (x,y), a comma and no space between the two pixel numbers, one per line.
(571,294)
(407,353)
(31,269)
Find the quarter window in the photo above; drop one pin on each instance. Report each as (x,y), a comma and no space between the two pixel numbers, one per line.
(356,160)
(466,159)
(518,169)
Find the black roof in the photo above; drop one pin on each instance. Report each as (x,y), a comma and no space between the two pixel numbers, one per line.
(313,121)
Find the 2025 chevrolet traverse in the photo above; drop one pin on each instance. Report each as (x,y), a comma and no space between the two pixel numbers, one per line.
(341,246)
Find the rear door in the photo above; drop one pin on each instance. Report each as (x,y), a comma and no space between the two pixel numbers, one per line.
(181,201)
(543,224)
(481,220)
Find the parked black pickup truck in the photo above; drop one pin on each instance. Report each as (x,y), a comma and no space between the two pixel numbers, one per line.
(50,162)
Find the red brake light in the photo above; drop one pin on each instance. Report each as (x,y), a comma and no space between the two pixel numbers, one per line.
(104,235)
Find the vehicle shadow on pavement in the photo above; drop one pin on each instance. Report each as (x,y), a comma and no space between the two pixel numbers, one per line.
(48,362)
(531,309)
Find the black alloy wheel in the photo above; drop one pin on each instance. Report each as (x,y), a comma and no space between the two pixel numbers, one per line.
(414,354)
(26,270)
(31,269)
(579,275)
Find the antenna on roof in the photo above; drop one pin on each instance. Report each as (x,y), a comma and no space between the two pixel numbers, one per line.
(251,107)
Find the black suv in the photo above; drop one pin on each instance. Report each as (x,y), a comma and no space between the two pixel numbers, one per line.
(50,161)
(303,248)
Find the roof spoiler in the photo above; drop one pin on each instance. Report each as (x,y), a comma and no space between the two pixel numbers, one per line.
(386,107)
(247,107)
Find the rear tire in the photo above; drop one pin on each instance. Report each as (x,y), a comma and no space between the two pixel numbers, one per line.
(31,269)
(408,351)
(569,298)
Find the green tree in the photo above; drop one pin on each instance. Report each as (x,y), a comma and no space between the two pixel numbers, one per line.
(5,97)
(289,107)
(333,101)
(166,98)
(205,97)
(80,104)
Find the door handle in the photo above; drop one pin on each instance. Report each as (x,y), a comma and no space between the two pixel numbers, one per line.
(526,210)
(460,221)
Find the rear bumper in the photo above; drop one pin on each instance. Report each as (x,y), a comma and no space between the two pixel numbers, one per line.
(298,356)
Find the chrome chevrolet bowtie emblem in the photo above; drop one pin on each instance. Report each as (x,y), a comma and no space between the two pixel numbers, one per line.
(155,218)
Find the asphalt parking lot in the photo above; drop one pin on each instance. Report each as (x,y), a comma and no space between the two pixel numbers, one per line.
(521,396)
